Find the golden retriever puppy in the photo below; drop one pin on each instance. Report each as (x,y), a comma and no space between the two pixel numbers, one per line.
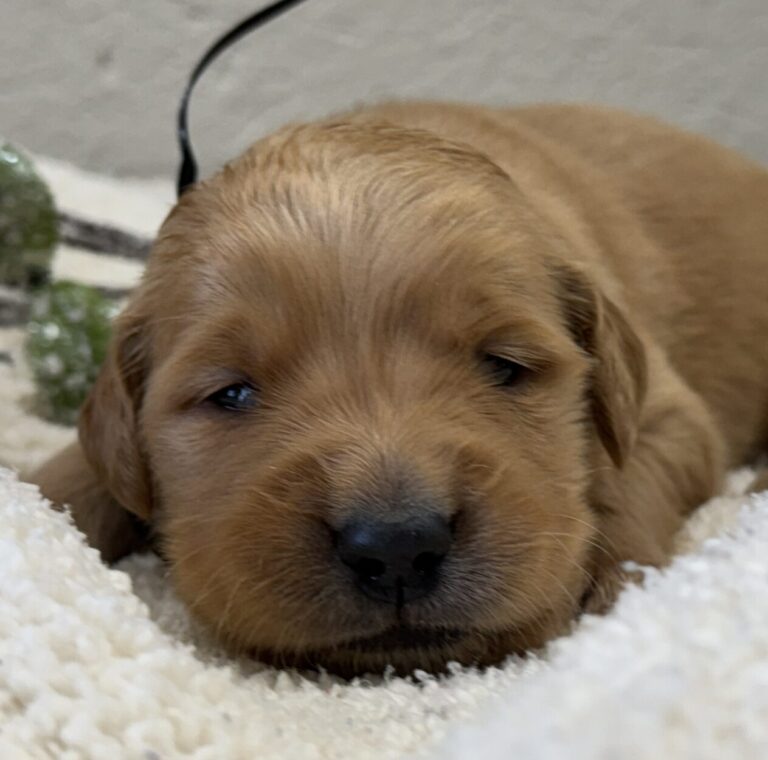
(411,385)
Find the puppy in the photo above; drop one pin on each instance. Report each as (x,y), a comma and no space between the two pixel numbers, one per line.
(410,385)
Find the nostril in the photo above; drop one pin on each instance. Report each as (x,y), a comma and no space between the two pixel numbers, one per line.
(370,569)
(427,563)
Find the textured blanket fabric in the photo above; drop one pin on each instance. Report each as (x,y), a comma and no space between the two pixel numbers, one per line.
(104,663)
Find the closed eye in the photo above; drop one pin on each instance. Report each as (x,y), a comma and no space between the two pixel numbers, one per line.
(238,397)
(504,372)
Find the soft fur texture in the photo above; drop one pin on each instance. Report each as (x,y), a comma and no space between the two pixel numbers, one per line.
(357,273)
(101,663)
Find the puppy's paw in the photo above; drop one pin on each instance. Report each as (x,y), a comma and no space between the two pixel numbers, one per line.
(606,586)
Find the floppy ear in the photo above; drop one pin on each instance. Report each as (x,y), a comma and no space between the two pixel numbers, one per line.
(104,479)
(619,370)
(108,423)
(68,480)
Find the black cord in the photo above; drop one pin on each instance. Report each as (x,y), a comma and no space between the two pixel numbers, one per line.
(188,168)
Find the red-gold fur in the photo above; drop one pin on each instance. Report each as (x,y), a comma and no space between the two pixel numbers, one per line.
(355,270)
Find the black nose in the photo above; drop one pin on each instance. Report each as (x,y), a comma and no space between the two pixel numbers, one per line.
(395,562)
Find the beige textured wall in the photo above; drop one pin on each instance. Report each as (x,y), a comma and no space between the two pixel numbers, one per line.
(96,81)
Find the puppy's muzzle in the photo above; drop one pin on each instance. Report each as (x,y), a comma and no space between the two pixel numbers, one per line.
(395,561)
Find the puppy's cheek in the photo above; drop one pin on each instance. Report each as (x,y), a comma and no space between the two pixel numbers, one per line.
(524,538)
(264,578)
(242,531)
(518,572)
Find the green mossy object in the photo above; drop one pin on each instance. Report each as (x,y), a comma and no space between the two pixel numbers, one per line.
(66,343)
(28,226)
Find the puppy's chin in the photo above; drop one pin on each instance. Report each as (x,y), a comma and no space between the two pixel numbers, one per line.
(401,648)
(405,646)
(405,649)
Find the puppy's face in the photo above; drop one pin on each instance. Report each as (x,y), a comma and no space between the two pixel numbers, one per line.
(356,395)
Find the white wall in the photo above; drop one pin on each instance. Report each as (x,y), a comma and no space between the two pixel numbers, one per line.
(97,81)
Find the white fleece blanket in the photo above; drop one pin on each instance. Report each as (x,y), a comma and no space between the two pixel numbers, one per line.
(104,663)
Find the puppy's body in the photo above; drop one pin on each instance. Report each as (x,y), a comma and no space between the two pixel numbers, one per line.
(366,274)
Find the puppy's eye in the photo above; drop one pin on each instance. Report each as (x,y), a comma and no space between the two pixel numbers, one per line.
(239,397)
(505,372)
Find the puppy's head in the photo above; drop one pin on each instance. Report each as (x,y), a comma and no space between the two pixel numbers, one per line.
(360,394)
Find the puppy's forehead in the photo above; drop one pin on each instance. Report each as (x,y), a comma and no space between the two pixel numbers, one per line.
(354,221)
